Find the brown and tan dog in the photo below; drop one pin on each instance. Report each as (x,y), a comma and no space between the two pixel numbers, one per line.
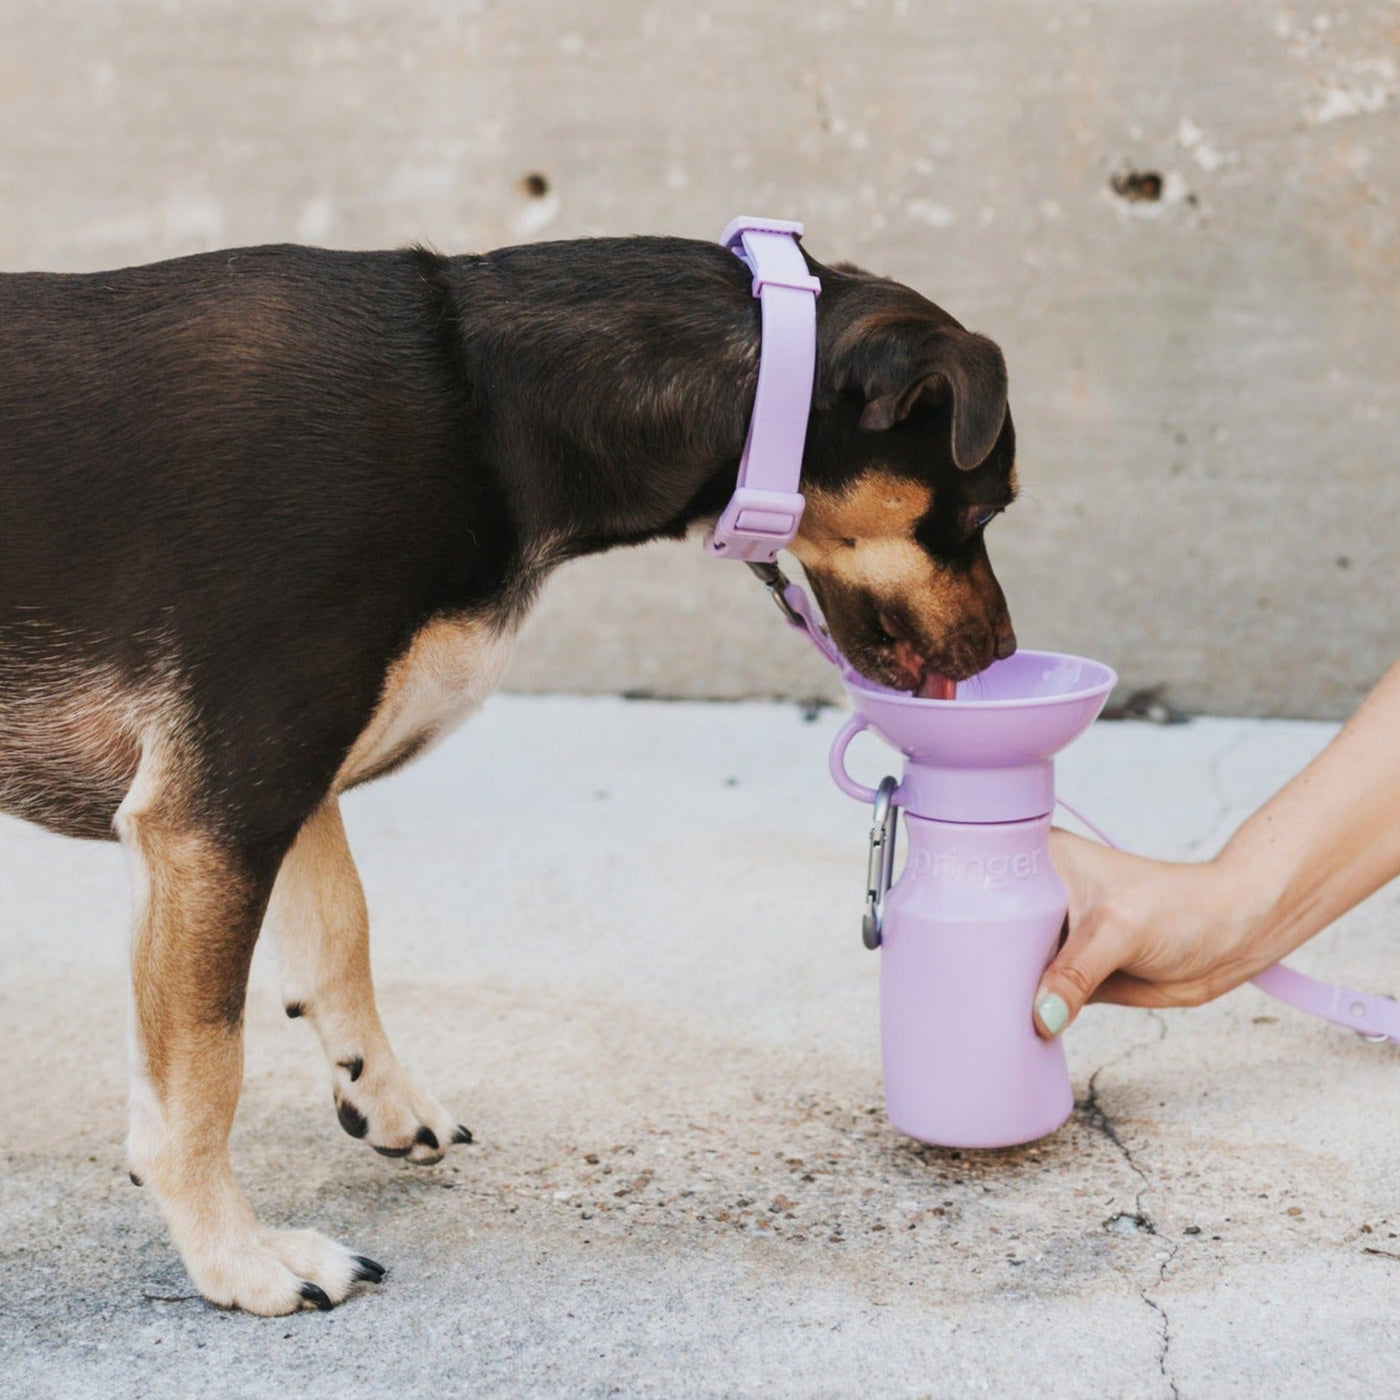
(269,520)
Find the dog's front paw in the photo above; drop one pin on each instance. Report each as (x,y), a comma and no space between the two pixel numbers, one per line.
(273,1272)
(382,1105)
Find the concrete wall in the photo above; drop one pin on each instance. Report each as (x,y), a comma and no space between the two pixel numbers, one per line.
(1206,383)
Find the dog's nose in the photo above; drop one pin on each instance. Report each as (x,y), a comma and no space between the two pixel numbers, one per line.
(1006,644)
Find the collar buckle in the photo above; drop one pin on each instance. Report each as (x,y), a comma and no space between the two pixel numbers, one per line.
(756,524)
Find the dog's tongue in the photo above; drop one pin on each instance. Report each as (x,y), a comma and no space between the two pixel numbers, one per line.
(936,687)
(933,686)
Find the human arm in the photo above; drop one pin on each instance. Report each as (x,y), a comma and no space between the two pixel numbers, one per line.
(1158,933)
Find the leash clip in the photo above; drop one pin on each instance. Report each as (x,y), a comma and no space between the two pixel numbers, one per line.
(776,582)
(792,603)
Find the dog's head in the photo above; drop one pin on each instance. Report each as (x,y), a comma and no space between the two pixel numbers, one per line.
(910,455)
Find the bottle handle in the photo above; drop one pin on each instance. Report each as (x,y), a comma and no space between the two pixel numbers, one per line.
(837,760)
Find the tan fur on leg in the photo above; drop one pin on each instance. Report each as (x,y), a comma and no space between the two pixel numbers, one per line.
(198,910)
(320,926)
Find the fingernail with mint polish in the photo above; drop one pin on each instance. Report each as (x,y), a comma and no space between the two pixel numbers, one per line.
(1053,1012)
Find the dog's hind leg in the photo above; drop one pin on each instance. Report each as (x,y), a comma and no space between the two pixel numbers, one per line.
(320,926)
(201,894)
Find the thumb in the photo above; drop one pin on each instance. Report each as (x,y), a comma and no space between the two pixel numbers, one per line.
(1089,953)
(1079,967)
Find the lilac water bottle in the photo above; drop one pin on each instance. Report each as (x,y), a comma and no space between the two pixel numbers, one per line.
(969,926)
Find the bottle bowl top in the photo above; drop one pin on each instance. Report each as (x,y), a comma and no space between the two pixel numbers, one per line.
(1018,711)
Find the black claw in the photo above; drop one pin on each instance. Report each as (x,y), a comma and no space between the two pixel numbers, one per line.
(354,1067)
(392,1151)
(427,1137)
(462,1134)
(367,1271)
(314,1294)
(351,1119)
(135,1180)
(295,1009)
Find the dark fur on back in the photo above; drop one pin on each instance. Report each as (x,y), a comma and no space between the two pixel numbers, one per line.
(241,482)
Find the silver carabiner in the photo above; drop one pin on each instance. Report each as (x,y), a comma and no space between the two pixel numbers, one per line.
(879,865)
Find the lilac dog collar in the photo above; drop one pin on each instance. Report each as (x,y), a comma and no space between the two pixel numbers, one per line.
(763,514)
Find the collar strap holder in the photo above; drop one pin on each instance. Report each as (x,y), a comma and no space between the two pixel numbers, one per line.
(763,514)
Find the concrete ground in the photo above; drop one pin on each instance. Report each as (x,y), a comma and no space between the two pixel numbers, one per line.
(621,940)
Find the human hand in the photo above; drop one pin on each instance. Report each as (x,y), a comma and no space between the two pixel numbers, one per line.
(1148,933)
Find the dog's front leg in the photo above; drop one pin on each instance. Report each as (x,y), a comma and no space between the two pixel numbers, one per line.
(321,929)
(201,898)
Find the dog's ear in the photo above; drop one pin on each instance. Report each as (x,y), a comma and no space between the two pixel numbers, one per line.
(899,370)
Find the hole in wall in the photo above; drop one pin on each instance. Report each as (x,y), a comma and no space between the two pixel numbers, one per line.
(1137,186)
(535,185)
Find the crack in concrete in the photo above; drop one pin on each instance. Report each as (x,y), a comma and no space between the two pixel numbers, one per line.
(1214,777)
(1097,1117)
(823,100)
(1102,1124)
(1166,1328)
